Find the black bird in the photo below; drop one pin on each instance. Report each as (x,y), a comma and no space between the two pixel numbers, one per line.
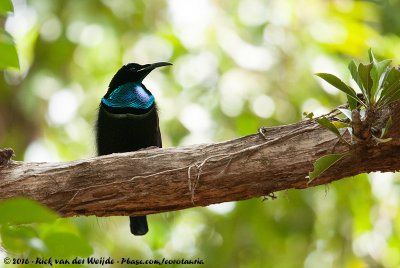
(128,119)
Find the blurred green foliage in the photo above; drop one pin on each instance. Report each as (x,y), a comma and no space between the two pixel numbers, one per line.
(6,6)
(238,65)
(8,52)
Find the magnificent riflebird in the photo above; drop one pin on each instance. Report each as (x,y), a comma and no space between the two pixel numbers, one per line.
(128,119)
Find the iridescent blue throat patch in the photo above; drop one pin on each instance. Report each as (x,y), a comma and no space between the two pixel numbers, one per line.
(129,95)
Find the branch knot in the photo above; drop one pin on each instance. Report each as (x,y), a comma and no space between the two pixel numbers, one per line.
(5,156)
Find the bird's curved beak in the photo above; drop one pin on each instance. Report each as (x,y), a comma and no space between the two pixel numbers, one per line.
(150,67)
(159,64)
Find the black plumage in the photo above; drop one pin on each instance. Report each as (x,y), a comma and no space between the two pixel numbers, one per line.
(128,120)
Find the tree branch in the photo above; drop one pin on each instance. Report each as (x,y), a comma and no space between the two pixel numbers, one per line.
(159,180)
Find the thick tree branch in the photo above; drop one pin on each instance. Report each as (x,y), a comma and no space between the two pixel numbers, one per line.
(167,179)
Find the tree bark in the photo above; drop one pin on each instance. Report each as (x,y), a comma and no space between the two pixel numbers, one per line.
(159,180)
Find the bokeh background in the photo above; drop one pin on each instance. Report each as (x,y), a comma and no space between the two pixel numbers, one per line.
(238,65)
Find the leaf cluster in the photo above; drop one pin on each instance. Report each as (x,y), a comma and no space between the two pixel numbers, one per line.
(379,85)
(28,226)
(378,82)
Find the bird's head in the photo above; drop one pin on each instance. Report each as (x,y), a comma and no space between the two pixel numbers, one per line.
(132,72)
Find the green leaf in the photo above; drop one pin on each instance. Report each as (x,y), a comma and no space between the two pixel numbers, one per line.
(327,124)
(356,77)
(371,55)
(350,130)
(340,124)
(385,130)
(364,72)
(390,86)
(393,98)
(17,238)
(383,79)
(308,115)
(347,113)
(393,76)
(65,244)
(8,52)
(22,210)
(323,163)
(352,102)
(339,84)
(379,140)
(5,6)
(377,75)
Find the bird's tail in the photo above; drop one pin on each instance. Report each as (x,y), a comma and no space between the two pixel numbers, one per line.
(138,225)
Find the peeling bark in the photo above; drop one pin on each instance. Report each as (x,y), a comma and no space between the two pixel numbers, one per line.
(166,179)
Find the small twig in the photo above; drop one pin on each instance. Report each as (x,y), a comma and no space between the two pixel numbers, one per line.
(263,132)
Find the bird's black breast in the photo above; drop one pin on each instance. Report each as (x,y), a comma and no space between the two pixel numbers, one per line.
(125,132)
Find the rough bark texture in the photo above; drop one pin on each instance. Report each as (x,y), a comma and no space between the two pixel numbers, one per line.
(167,179)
